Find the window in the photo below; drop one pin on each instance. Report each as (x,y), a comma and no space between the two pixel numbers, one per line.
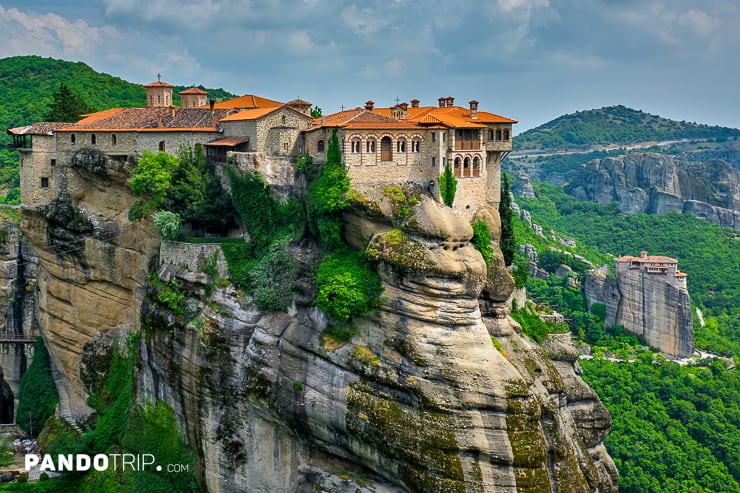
(415,145)
(457,167)
(93,139)
(72,139)
(53,162)
(370,145)
(166,100)
(466,167)
(434,161)
(498,134)
(490,135)
(476,166)
(401,145)
(282,120)
(320,146)
(356,146)
(44,182)
(285,146)
(161,145)
(506,134)
(113,139)
(434,136)
(386,149)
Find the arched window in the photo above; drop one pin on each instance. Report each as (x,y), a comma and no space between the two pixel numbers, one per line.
(93,139)
(161,145)
(356,146)
(401,145)
(166,100)
(476,166)
(159,100)
(72,139)
(386,149)
(282,120)
(457,167)
(466,167)
(371,145)
(416,145)
(320,146)
(113,139)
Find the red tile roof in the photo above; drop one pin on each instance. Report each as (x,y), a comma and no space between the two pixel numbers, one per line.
(657,259)
(248,101)
(230,142)
(149,119)
(252,114)
(40,128)
(159,84)
(193,90)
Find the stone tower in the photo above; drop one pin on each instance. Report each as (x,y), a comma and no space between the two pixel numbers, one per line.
(193,98)
(159,94)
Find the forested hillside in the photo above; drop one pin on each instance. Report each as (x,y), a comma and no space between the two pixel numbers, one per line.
(612,125)
(27,84)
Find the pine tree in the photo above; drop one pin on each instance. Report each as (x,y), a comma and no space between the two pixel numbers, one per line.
(67,106)
(507,243)
(447,186)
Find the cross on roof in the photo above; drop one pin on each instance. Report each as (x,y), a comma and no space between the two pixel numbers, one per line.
(397,100)
(342,107)
(159,77)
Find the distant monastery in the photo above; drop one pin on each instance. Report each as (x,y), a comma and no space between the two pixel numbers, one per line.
(401,143)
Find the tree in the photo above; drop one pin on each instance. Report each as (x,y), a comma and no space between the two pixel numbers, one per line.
(38,394)
(316,112)
(67,106)
(189,180)
(447,186)
(151,180)
(329,196)
(508,242)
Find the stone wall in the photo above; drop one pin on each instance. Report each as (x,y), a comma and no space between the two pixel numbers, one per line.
(193,258)
(36,166)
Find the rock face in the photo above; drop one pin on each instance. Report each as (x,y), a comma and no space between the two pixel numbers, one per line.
(656,184)
(94,266)
(652,306)
(419,400)
(18,271)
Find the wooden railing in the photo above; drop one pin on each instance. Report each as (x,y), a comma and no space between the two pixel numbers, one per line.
(12,337)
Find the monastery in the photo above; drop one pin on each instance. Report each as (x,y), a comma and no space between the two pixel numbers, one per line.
(396,144)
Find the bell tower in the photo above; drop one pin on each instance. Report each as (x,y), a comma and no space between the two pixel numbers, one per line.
(159,94)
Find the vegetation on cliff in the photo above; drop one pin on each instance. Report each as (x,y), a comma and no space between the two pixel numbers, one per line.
(125,427)
(447,186)
(612,125)
(37,397)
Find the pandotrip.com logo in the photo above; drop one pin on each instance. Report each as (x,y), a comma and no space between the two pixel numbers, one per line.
(99,462)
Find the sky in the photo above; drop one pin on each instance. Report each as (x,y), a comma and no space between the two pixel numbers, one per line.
(531,60)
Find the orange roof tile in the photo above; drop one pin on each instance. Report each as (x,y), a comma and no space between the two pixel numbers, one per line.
(193,90)
(159,84)
(248,101)
(98,115)
(230,142)
(252,114)
(657,259)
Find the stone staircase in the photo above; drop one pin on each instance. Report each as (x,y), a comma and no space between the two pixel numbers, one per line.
(63,409)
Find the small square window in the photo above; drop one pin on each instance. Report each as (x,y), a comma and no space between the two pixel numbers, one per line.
(44,182)
(53,162)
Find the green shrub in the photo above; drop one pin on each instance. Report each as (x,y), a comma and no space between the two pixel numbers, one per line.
(482,241)
(271,280)
(38,394)
(168,224)
(348,286)
(151,179)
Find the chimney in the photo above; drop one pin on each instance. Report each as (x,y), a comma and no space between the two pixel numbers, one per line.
(212,103)
(414,103)
(450,101)
(473,109)
(369,105)
(442,102)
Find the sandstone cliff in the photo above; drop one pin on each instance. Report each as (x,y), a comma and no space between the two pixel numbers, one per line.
(657,183)
(419,400)
(94,266)
(646,305)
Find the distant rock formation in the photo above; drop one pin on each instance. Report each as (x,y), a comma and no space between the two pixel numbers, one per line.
(657,184)
(648,297)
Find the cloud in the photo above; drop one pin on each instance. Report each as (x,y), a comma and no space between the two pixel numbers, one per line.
(49,35)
